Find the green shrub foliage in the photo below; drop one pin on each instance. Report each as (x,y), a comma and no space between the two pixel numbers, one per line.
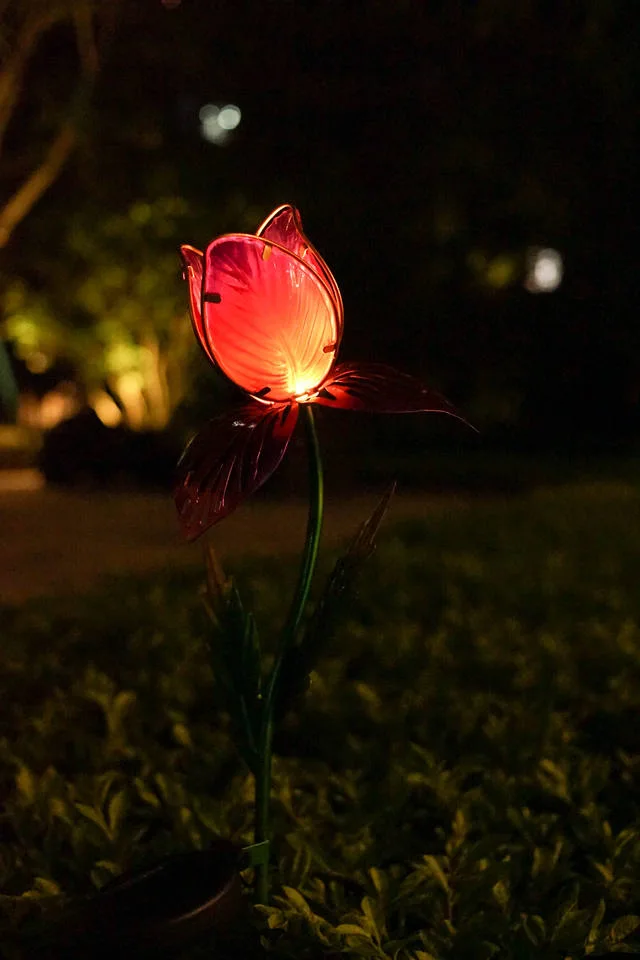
(461,780)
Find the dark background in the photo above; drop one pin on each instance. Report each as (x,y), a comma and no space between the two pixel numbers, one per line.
(425,143)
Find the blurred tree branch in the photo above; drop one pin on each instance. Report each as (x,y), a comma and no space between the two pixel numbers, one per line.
(24,25)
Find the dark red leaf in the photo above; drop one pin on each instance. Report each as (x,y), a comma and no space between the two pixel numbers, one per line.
(377,388)
(228,460)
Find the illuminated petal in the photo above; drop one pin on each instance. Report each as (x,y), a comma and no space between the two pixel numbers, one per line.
(284,226)
(193,261)
(380,389)
(228,460)
(270,322)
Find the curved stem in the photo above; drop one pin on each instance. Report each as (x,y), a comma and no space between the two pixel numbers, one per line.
(289,632)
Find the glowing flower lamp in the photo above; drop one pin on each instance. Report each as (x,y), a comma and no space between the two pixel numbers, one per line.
(268,313)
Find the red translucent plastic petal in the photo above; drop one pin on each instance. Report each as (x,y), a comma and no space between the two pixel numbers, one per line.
(380,389)
(228,460)
(193,261)
(284,226)
(270,322)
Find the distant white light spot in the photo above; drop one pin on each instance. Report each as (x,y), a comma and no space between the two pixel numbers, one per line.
(229,117)
(544,270)
(217,122)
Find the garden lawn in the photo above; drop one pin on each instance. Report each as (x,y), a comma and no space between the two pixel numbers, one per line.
(462,779)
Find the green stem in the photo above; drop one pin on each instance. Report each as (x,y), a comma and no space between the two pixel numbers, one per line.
(312,539)
(289,633)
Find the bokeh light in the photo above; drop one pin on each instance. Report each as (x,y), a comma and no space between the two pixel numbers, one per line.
(544,270)
(216,122)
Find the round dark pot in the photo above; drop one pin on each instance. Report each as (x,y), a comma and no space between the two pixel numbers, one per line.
(152,910)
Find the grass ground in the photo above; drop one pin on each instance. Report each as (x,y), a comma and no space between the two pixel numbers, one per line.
(64,542)
(461,781)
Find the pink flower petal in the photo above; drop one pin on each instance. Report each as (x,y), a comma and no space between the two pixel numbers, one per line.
(228,460)
(284,226)
(270,322)
(377,388)
(193,261)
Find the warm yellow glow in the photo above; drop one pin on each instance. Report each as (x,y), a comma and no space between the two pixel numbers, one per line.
(55,406)
(500,271)
(271,324)
(302,387)
(21,480)
(46,412)
(38,362)
(23,330)
(13,438)
(106,409)
(123,359)
(128,389)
